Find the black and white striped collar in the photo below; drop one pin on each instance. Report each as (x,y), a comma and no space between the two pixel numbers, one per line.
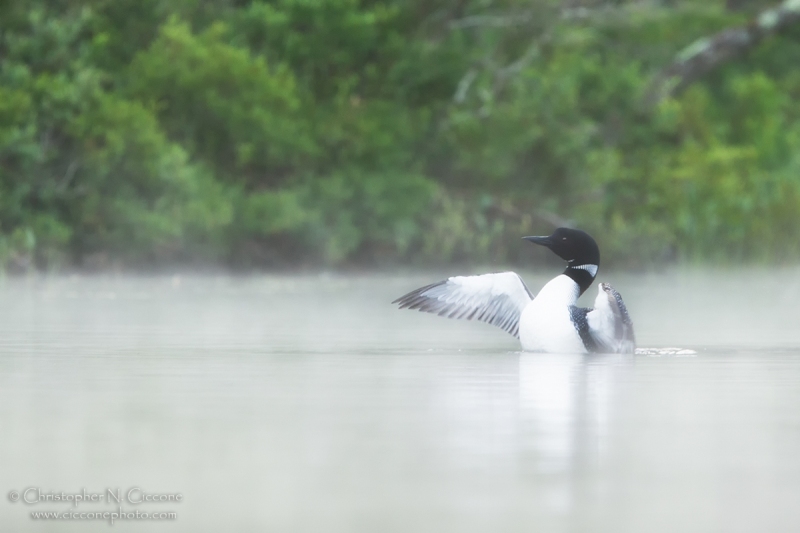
(591,269)
(583,275)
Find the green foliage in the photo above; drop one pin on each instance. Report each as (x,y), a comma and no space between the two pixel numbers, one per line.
(281,132)
(356,213)
(84,171)
(229,108)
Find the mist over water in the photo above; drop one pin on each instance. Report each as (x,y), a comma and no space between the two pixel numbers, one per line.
(310,403)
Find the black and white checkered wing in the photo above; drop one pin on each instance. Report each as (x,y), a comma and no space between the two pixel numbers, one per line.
(609,324)
(497,299)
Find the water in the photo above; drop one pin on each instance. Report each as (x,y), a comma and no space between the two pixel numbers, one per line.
(309,404)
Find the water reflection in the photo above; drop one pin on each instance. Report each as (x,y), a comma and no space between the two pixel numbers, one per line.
(566,409)
(310,404)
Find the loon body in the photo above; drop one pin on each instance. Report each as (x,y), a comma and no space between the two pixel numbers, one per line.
(550,321)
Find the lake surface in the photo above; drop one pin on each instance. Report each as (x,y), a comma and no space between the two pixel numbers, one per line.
(309,404)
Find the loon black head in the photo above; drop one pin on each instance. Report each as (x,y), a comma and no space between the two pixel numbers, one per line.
(578,249)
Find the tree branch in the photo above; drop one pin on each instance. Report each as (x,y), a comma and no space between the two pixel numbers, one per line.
(494,21)
(708,53)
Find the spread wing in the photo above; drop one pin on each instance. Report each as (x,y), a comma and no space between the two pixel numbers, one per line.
(494,298)
(608,326)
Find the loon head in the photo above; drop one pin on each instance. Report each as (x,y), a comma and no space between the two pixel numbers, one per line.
(578,249)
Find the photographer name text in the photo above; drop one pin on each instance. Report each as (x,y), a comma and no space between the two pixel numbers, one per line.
(132,496)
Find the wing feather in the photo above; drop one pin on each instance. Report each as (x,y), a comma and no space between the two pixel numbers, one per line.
(497,299)
(609,323)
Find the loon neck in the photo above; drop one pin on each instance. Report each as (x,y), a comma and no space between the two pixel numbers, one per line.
(583,275)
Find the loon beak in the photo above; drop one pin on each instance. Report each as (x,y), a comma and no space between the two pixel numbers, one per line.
(544,241)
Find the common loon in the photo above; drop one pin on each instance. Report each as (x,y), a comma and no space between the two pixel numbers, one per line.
(551,321)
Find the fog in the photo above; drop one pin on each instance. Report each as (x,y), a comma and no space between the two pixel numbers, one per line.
(309,403)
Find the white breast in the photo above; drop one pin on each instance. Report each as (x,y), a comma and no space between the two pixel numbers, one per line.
(545,324)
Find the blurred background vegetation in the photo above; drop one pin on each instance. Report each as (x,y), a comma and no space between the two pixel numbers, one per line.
(285,133)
